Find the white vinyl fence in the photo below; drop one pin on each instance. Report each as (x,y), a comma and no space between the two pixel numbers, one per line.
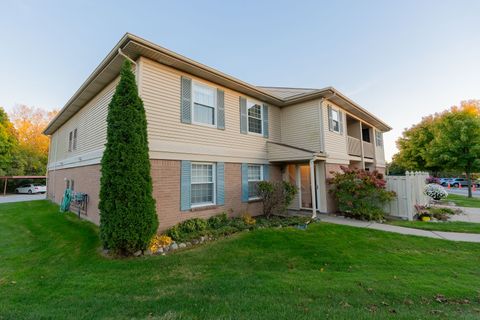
(409,190)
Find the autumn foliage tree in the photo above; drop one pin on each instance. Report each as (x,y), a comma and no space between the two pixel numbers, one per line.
(456,144)
(447,141)
(32,154)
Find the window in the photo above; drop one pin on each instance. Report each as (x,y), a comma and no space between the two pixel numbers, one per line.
(366,134)
(379,139)
(70,184)
(335,121)
(75,139)
(204,104)
(70,141)
(255,175)
(203,184)
(255,115)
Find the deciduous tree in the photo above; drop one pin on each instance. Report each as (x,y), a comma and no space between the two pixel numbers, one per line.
(8,143)
(456,143)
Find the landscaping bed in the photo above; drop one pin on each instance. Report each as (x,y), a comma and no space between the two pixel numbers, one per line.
(197,231)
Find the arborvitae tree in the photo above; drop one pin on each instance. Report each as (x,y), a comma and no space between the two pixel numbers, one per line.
(128,218)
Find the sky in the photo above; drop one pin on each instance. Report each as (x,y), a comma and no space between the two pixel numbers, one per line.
(401,60)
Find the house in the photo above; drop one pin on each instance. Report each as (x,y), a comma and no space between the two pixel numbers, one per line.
(212,136)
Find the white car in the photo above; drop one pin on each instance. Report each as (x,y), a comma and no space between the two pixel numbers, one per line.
(31,188)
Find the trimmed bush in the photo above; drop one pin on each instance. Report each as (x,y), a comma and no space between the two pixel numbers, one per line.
(360,194)
(128,218)
(217,221)
(220,225)
(276,196)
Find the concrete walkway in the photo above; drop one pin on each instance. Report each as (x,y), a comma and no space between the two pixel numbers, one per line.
(453,236)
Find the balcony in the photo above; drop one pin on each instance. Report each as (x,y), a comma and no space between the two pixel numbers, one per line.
(354,147)
(368,151)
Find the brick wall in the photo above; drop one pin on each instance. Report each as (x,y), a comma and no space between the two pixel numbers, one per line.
(86,179)
(166,191)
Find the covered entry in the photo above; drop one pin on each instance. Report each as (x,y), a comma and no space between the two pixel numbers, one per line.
(306,170)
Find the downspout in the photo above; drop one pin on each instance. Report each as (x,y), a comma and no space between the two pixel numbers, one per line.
(312,185)
(137,69)
(120,52)
(55,166)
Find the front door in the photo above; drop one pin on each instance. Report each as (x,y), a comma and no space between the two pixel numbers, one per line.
(305,186)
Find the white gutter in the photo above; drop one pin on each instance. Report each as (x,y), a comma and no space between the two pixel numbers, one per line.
(120,52)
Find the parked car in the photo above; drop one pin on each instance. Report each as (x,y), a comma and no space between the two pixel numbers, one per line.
(31,188)
(456,182)
(445,181)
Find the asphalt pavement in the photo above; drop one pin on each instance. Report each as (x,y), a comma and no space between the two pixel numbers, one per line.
(22,197)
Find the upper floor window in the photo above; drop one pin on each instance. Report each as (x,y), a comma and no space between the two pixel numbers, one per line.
(335,118)
(255,175)
(202,184)
(379,139)
(72,140)
(255,117)
(204,104)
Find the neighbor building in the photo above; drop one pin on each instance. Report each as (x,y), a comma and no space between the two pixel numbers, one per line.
(212,136)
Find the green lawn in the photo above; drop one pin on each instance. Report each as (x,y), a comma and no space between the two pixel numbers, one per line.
(50,267)
(463,201)
(454,226)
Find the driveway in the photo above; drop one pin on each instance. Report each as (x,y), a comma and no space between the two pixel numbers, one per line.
(22,197)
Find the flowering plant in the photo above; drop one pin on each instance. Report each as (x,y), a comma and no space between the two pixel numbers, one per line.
(360,194)
(159,241)
(435,191)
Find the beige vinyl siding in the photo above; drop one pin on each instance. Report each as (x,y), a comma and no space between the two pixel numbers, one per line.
(301,125)
(91,125)
(379,153)
(171,139)
(335,143)
(283,153)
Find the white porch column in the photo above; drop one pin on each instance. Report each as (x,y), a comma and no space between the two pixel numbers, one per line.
(361,146)
(313,190)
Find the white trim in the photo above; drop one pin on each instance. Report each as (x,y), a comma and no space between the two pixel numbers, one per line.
(214,182)
(337,112)
(255,102)
(262,178)
(215,104)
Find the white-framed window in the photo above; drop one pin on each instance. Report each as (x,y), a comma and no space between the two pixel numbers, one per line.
(379,138)
(335,121)
(255,117)
(72,140)
(204,107)
(202,184)
(255,175)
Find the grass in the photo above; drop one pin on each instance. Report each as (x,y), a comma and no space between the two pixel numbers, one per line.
(50,267)
(463,201)
(451,226)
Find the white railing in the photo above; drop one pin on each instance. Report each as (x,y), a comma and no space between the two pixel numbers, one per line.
(368,150)
(354,147)
(409,190)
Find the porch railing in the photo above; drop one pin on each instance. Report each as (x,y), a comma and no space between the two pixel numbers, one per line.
(368,150)
(354,147)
